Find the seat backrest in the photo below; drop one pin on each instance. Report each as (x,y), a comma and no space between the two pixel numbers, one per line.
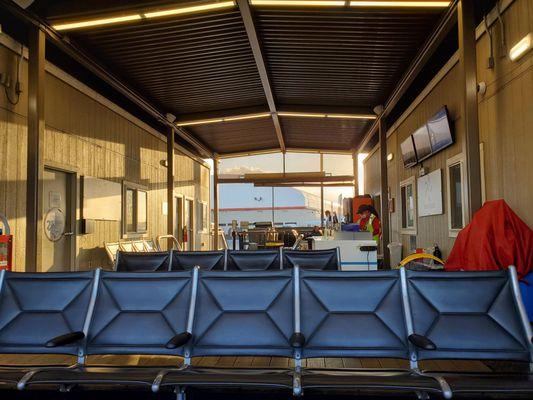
(149,245)
(36,307)
(467,315)
(112,249)
(352,314)
(259,260)
(138,313)
(244,314)
(143,262)
(206,260)
(127,246)
(138,245)
(312,259)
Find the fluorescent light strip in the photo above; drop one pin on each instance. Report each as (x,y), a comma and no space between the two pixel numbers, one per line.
(521,48)
(139,16)
(96,22)
(315,115)
(421,4)
(303,3)
(225,119)
(188,10)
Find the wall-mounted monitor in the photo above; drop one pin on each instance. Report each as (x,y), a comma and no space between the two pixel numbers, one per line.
(422,143)
(408,152)
(440,133)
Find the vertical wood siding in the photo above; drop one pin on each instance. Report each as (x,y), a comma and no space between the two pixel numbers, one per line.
(86,137)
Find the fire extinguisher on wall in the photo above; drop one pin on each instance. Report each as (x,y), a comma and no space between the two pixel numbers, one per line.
(6,245)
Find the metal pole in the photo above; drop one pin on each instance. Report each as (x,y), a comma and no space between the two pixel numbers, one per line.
(34,180)
(170,181)
(467,68)
(355,157)
(273,202)
(384,192)
(215,202)
(321,192)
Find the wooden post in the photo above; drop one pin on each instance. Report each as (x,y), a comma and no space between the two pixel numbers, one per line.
(322,224)
(467,67)
(385,239)
(170,181)
(34,180)
(215,202)
(355,157)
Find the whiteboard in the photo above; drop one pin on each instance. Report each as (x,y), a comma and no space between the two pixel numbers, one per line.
(429,194)
(102,199)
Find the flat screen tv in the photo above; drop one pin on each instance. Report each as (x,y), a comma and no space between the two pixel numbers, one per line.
(408,152)
(422,143)
(440,134)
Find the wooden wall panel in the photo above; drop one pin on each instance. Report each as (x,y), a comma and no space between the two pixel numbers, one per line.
(86,137)
(505,121)
(506,115)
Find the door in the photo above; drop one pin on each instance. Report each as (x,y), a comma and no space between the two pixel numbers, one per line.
(189,224)
(58,221)
(178,218)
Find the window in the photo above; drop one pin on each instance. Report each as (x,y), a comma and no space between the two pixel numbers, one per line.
(456,192)
(203,217)
(135,208)
(408,206)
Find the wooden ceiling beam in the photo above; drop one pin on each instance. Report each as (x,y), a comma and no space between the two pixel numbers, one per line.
(251,32)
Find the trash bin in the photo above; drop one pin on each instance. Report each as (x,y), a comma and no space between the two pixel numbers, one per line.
(395,250)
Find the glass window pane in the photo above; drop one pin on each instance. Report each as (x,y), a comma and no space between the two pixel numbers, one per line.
(410,206)
(252,164)
(456,197)
(404,207)
(142,204)
(338,164)
(129,211)
(302,162)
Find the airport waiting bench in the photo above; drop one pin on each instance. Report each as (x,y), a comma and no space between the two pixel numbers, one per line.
(228,260)
(292,313)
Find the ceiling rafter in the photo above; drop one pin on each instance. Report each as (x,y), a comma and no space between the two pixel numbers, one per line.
(251,32)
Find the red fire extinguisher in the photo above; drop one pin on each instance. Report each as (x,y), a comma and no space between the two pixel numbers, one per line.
(6,246)
(185,234)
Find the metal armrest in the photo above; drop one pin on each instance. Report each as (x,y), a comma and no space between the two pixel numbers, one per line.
(297,340)
(65,339)
(179,340)
(422,342)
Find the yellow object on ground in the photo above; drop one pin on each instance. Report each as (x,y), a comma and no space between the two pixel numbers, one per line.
(418,256)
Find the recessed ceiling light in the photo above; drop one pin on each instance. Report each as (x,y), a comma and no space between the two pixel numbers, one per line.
(188,10)
(96,22)
(149,14)
(422,4)
(303,3)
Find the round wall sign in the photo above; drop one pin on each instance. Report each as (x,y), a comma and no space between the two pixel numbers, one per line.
(54,224)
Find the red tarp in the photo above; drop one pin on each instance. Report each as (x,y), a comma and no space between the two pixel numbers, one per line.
(495,239)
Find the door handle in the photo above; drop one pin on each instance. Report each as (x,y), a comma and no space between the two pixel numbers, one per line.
(68,234)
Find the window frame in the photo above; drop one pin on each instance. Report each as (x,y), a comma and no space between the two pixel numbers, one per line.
(410,230)
(135,188)
(202,216)
(458,159)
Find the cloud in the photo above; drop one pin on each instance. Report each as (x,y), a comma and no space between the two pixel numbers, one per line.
(242,169)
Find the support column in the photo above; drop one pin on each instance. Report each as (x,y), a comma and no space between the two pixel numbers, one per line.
(385,239)
(467,68)
(34,180)
(215,202)
(170,181)
(355,157)
(322,224)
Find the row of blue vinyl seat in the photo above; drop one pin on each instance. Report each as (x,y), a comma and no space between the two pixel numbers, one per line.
(291,313)
(228,260)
